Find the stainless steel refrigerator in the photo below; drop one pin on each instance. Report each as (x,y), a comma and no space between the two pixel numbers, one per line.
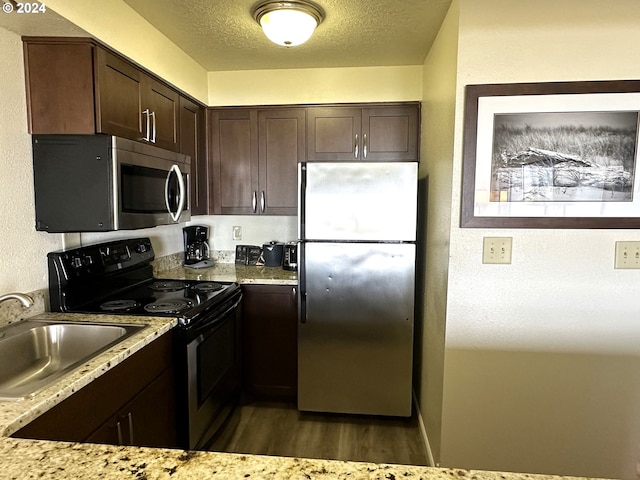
(357,250)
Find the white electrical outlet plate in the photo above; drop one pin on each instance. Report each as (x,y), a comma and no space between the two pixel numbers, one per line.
(627,255)
(496,250)
(237,233)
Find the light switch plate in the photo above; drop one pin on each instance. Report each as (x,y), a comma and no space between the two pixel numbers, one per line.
(496,250)
(627,255)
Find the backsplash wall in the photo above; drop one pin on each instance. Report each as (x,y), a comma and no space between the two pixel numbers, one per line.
(256,229)
(23,264)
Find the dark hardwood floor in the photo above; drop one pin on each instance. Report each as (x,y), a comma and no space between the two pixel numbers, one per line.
(280,429)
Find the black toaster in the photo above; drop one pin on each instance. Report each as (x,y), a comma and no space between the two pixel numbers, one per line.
(290,256)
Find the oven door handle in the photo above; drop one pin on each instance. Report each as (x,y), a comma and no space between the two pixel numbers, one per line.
(198,328)
(232,307)
(181,194)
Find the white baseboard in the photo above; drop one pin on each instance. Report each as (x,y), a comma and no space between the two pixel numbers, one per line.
(423,431)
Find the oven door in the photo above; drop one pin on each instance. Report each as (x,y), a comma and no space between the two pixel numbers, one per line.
(213,373)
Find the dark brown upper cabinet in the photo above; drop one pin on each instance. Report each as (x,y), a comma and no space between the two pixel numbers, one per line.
(374,133)
(193,143)
(76,86)
(254,155)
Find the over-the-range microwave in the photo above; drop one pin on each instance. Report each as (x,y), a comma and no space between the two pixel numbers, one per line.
(95,183)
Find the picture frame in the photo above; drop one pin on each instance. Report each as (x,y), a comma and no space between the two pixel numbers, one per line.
(551,155)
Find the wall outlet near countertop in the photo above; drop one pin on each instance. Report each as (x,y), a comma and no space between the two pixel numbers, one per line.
(236,232)
(627,255)
(496,250)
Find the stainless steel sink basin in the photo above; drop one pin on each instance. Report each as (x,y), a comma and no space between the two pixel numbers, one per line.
(34,353)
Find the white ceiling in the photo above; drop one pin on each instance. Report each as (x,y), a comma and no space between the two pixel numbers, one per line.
(222,34)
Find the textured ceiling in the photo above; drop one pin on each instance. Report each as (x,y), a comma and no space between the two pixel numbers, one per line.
(222,34)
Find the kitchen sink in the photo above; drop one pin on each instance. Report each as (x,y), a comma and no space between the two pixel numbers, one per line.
(34,353)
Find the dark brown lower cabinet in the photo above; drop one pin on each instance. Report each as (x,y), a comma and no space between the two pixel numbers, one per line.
(270,332)
(131,404)
(144,421)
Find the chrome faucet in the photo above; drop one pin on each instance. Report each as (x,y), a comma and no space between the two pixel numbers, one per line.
(26,300)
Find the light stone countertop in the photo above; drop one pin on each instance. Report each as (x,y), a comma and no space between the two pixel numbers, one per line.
(22,459)
(230,272)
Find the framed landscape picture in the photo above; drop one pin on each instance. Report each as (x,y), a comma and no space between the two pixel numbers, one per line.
(552,155)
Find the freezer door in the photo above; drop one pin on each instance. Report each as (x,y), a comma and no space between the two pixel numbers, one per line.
(355,335)
(359,201)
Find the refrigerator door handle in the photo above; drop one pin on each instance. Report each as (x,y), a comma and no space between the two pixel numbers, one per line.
(302,287)
(302,187)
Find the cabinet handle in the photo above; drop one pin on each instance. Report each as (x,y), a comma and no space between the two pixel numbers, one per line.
(364,145)
(153,137)
(119,428)
(254,201)
(262,202)
(130,417)
(355,147)
(147,137)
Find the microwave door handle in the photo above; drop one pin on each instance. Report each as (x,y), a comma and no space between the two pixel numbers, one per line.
(153,127)
(147,136)
(181,194)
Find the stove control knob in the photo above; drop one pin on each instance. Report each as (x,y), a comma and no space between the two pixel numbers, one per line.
(76,262)
(142,248)
(87,260)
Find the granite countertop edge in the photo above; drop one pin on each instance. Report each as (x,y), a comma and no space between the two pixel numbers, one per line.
(60,460)
(230,272)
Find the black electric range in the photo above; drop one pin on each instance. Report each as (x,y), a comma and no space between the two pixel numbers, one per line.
(117,278)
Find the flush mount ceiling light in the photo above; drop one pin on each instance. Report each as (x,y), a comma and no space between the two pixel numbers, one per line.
(288,23)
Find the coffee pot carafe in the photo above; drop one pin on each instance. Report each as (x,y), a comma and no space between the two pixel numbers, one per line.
(196,246)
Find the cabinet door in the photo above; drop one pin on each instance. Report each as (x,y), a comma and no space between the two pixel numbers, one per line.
(60,97)
(192,143)
(333,133)
(151,416)
(281,140)
(162,103)
(149,420)
(270,326)
(233,150)
(118,96)
(390,134)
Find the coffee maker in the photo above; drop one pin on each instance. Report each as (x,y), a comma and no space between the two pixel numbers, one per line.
(196,247)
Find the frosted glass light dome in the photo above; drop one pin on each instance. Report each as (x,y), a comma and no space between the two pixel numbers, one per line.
(288,23)
(288,27)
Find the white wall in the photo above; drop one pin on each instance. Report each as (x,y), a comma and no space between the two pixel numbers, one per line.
(119,26)
(23,264)
(315,85)
(438,112)
(542,360)
(256,230)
